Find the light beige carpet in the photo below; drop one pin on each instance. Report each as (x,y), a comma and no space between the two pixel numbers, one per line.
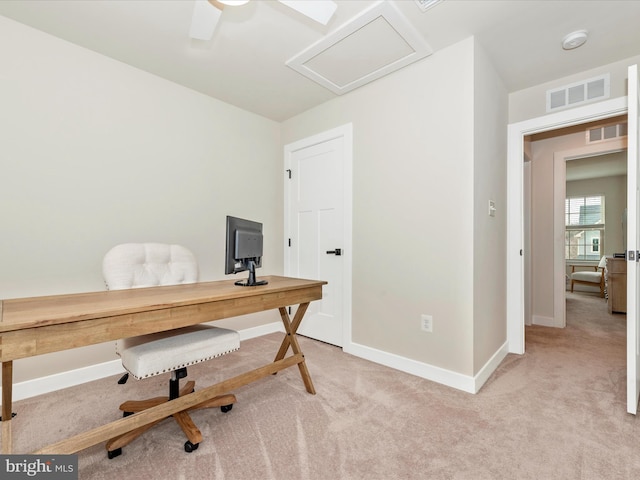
(557,412)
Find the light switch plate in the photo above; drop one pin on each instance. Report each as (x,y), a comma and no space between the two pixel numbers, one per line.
(492,208)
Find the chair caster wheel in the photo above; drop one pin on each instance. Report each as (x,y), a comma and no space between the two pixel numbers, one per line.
(114,453)
(226,408)
(190,447)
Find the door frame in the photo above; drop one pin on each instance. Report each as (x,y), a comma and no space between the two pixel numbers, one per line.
(515,214)
(560,160)
(346,133)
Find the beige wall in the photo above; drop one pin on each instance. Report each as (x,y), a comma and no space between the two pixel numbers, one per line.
(531,102)
(98,153)
(415,173)
(490,182)
(528,104)
(95,153)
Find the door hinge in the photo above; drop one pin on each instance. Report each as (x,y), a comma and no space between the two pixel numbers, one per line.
(288,170)
(289,242)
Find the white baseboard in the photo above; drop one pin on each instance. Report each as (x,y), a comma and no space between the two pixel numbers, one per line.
(494,362)
(261,330)
(71,378)
(50,383)
(443,376)
(544,321)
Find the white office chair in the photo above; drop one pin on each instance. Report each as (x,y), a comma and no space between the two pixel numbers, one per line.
(593,278)
(135,265)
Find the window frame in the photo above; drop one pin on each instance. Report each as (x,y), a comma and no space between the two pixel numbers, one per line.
(576,227)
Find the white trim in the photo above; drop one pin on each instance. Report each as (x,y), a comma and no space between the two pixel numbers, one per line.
(545,321)
(633,319)
(70,378)
(259,331)
(439,375)
(515,266)
(78,376)
(487,370)
(559,268)
(515,239)
(346,132)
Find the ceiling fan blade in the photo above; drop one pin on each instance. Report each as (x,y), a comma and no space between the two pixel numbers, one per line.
(319,10)
(205,18)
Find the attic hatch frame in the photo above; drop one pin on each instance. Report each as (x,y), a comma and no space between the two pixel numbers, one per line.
(315,62)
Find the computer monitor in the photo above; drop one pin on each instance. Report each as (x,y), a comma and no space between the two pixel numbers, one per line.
(244,250)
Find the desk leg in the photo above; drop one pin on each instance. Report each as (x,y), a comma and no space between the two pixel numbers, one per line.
(7,394)
(290,340)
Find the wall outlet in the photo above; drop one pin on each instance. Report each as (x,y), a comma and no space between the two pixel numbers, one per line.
(426,323)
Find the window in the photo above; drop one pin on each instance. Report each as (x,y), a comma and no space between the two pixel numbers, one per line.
(584,228)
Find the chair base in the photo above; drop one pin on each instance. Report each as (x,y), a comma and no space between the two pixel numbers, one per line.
(193,434)
(591,284)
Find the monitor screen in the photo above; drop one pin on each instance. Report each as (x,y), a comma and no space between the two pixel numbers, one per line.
(243,249)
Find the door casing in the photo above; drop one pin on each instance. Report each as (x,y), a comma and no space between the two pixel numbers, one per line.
(515,216)
(346,132)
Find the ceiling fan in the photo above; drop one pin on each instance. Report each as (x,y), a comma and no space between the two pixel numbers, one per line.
(206,13)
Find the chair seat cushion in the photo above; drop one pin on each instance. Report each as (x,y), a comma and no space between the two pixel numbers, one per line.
(594,277)
(148,355)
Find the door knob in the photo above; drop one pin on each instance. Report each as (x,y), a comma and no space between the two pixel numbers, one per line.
(337,252)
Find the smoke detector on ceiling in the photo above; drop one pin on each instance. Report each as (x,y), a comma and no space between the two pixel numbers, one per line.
(574,39)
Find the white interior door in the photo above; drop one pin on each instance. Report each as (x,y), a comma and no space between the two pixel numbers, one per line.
(318,229)
(633,244)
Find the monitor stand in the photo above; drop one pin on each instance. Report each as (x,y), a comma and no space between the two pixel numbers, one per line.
(251,281)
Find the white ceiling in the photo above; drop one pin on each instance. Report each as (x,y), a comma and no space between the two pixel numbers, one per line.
(244,63)
(607,165)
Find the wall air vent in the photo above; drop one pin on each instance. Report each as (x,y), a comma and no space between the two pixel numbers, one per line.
(603,133)
(579,93)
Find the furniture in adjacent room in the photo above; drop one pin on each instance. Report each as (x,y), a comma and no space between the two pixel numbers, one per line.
(616,278)
(593,277)
(38,325)
(139,265)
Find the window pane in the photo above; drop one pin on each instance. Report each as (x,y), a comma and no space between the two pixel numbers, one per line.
(592,245)
(584,210)
(583,244)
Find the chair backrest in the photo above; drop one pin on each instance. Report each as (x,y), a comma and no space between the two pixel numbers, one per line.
(135,265)
(603,262)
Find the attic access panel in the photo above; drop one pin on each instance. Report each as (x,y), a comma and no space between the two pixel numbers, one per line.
(373,44)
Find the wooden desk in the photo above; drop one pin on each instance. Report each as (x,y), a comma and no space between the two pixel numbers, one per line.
(33,326)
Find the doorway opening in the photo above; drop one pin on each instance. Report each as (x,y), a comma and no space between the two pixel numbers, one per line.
(564,164)
(515,265)
(516,245)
